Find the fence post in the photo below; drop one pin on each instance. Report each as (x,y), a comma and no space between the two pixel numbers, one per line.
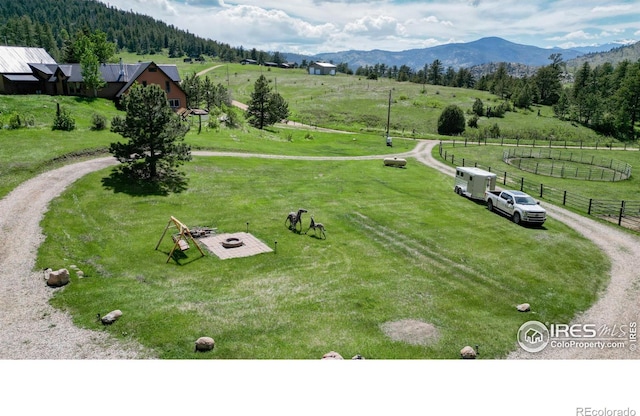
(504,181)
(564,198)
(590,204)
(452,157)
(522,183)
(621,213)
(541,190)
(462,162)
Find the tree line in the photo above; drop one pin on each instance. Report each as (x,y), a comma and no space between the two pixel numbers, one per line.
(605,98)
(54,24)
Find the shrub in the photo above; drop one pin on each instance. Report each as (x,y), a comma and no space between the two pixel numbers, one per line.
(98,122)
(473,122)
(63,120)
(15,121)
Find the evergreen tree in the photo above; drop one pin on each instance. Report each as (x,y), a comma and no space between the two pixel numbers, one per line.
(156,136)
(451,121)
(478,107)
(265,108)
(628,103)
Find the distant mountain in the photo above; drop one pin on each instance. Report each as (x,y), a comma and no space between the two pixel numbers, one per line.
(457,55)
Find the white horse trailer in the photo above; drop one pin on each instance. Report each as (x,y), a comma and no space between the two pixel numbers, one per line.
(474,182)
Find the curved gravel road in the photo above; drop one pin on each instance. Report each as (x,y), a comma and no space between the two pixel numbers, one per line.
(32,329)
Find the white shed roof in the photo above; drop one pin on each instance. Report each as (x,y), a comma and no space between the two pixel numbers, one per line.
(324,64)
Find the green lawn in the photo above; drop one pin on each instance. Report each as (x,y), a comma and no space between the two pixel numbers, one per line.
(400,245)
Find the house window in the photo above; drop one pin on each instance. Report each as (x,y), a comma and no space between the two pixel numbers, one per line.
(167,86)
(153,69)
(144,83)
(174,102)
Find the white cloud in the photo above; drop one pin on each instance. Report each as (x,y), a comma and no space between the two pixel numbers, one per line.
(616,8)
(311,26)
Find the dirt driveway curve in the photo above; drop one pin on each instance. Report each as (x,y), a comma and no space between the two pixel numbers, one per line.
(32,329)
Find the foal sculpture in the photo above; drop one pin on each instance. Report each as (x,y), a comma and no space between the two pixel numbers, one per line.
(317,226)
(294,220)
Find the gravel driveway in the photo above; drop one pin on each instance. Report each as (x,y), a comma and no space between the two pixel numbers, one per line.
(32,329)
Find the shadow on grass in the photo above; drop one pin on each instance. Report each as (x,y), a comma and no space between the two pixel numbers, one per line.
(122,182)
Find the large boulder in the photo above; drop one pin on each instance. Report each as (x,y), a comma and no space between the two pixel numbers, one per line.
(332,355)
(58,278)
(111,317)
(205,344)
(468,353)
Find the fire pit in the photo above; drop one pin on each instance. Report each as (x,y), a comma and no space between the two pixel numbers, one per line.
(232,242)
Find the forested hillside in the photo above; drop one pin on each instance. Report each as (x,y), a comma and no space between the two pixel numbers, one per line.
(51,24)
(629,53)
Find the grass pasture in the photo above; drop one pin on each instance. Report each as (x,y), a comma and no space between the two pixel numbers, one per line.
(400,245)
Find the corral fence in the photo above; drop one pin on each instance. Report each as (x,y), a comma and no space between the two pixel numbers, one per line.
(623,213)
(566,164)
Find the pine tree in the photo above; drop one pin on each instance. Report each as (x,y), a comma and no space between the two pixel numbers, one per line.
(156,136)
(265,108)
(451,121)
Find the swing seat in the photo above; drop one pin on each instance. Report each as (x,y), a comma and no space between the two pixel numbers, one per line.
(182,244)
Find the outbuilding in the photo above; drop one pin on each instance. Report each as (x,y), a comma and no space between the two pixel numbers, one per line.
(322,68)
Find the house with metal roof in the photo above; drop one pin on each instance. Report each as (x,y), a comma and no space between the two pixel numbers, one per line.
(322,68)
(34,71)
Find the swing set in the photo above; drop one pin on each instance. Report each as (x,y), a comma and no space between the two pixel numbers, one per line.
(180,239)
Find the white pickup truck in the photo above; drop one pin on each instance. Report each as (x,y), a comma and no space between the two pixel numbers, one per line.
(518,205)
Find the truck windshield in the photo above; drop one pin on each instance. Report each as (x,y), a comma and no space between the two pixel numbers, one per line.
(525,200)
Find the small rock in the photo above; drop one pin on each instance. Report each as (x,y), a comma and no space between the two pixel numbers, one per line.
(357,357)
(332,355)
(46,273)
(205,344)
(523,307)
(111,317)
(74,267)
(80,274)
(58,278)
(468,353)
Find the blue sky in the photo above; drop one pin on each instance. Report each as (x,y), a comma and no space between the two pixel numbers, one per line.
(314,26)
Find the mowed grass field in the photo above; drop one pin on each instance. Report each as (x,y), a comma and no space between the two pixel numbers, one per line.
(400,246)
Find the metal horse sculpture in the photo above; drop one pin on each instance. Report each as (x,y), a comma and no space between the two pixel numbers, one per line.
(294,220)
(317,226)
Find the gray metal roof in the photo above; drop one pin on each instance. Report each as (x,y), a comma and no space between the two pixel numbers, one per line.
(20,77)
(16,59)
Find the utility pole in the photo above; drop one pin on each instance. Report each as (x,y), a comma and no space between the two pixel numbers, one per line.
(388,120)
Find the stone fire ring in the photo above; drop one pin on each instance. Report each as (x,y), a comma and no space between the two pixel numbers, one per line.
(232,242)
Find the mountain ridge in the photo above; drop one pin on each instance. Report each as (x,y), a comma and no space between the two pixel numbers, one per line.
(485,50)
